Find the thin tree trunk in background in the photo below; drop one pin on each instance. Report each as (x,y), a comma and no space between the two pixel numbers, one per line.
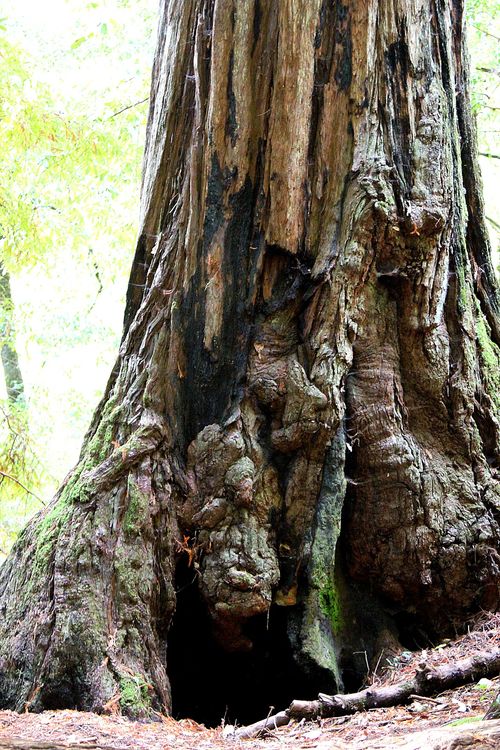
(14,384)
(296,454)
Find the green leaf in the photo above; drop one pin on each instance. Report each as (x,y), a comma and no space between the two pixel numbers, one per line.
(81,40)
(484,684)
(464,720)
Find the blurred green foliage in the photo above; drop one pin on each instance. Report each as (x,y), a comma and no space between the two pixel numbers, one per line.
(73,106)
(483,27)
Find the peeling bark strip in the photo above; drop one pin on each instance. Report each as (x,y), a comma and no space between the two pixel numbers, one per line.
(304,408)
(426,682)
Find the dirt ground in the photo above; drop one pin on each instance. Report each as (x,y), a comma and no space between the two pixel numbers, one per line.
(455,711)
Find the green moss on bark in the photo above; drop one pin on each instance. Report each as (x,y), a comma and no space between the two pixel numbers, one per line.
(329,601)
(137,510)
(135,700)
(490,360)
(100,445)
(76,490)
(133,572)
(47,532)
(127,579)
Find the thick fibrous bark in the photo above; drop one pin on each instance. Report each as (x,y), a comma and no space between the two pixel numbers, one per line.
(303,406)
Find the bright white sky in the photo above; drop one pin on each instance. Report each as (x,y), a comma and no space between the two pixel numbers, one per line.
(48,28)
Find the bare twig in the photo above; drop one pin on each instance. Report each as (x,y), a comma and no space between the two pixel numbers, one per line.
(493,71)
(130,106)
(425,698)
(13,479)
(280,719)
(483,31)
(492,221)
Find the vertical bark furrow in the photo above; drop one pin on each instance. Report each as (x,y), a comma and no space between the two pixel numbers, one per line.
(290,115)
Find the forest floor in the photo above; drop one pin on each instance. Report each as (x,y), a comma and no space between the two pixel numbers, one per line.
(450,720)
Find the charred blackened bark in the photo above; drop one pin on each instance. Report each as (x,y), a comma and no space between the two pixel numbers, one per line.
(303,410)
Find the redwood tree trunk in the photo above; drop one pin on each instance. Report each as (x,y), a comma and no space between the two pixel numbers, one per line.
(301,419)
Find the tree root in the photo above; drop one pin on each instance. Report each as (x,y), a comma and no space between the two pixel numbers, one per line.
(426,682)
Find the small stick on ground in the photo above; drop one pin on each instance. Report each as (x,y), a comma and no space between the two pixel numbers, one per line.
(425,698)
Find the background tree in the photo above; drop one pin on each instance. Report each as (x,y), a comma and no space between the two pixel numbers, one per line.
(12,372)
(483,34)
(300,431)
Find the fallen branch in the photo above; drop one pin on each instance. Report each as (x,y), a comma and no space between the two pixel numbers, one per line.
(280,719)
(427,681)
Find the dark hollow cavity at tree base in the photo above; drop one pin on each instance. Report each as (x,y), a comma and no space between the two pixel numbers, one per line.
(211,685)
